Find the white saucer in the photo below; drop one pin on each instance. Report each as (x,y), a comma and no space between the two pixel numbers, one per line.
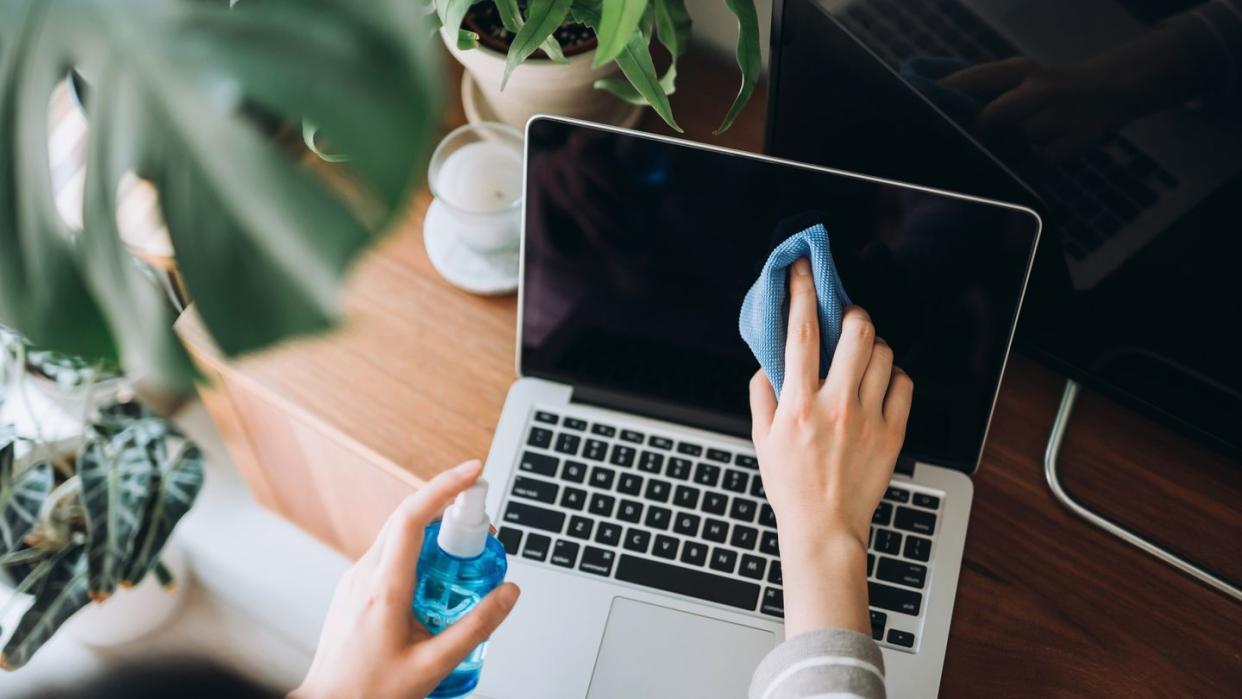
(491,274)
(477,108)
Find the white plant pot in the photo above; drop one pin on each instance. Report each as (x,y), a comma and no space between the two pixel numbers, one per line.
(538,86)
(133,612)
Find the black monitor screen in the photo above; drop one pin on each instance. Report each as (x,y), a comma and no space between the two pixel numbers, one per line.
(639,251)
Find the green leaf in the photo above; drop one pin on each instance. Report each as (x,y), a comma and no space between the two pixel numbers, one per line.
(511,18)
(624,90)
(180,478)
(748,59)
(635,63)
(117,478)
(673,26)
(542,18)
(59,593)
(617,23)
(22,495)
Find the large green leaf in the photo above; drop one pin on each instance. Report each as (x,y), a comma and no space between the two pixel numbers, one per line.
(511,18)
(179,479)
(59,590)
(542,18)
(117,478)
(263,243)
(617,23)
(673,26)
(748,59)
(22,494)
(635,63)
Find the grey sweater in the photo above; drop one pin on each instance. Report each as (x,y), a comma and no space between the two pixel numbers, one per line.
(831,663)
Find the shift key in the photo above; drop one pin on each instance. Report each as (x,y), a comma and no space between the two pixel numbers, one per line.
(536,517)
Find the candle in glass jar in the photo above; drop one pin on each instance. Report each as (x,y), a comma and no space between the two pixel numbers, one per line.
(481,177)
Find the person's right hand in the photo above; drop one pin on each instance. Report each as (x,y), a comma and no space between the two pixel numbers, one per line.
(826,454)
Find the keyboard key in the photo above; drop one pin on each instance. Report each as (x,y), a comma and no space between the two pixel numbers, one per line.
(774,574)
(574,472)
(743,509)
(650,462)
(539,437)
(915,520)
(773,603)
(685,581)
(545,417)
(716,530)
(887,541)
(660,442)
(598,561)
(535,489)
(752,567)
(687,497)
(878,621)
(678,468)
(602,477)
(897,494)
(769,543)
(901,638)
(567,443)
(882,514)
(630,511)
(931,502)
(689,449)
(632,436)
(767,516)
(719,455)
(565,553)
(707,474)
(537,546)
(511,538)
(637,540)
(580,527)
(870,563)
(723,560)
(735,481)
(542,464)
(686,524)
(918,548)
(694,553)
(665,547)
(573,498)
(622,455)
(607,533)
(630,484)
(521,514)
(573,423)
(658,517)
(744,537)
(603,430)
(595,450)
(601,505)
(756,488)
(894,599)
(746,461)
(715,503)
(902,572)
(658,490)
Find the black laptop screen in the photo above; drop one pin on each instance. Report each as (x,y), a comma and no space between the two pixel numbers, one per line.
(638,253)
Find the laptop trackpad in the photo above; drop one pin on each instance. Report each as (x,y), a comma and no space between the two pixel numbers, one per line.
(652,651)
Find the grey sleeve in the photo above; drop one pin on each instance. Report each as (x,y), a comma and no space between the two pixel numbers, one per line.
(836,662)
(1213,33)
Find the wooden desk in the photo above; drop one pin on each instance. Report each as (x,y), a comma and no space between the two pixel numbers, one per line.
(332,432)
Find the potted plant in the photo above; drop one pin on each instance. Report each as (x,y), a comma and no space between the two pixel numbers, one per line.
(91,526)
(580,58)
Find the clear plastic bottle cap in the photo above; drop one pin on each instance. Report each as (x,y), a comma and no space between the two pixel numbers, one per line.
(464,529)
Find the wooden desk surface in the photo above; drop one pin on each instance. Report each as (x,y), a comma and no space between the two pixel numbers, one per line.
(1047,605)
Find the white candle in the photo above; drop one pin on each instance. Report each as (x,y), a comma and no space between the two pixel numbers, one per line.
(481,177)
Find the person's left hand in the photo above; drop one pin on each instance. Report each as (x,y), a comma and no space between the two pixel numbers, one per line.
(371,645)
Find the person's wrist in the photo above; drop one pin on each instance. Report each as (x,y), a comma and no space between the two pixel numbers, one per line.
(830,546)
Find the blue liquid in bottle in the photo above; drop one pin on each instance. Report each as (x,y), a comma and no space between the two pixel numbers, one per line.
(451,582)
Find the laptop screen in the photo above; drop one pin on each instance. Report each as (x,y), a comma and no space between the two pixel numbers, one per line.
(638,252)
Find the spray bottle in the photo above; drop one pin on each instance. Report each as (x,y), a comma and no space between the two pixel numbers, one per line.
(460,563)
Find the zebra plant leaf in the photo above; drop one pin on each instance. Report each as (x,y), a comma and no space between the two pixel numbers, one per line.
(59,592)
(21,497)
(117,478)
(179,480)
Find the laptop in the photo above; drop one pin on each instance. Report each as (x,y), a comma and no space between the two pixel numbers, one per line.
(1122,193)
(624,486)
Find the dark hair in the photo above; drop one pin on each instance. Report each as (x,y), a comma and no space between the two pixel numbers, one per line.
(179,678)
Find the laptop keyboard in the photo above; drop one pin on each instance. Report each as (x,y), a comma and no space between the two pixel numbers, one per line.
(691,519)
(1092,198)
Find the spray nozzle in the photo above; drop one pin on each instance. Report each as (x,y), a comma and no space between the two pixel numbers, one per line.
(464,529)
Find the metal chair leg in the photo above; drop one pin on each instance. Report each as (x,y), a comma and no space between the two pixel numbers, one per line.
(1054,482)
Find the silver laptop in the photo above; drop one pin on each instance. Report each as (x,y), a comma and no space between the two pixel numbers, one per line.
(623,485)
(1122,193)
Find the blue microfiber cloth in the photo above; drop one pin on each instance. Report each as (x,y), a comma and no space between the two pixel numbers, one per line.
(765,310)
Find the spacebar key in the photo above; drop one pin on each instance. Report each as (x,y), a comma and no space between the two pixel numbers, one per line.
(694,583)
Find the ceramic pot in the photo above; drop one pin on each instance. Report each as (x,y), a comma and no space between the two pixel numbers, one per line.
(133,612)
(538,86)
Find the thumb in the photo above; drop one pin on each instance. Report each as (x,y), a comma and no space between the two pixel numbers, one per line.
(447,649)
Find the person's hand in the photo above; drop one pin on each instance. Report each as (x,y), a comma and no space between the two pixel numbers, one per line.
(826,454)
(371,645)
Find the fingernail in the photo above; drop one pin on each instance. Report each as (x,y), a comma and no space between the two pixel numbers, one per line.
(802,267)
(507,595)
(468,467)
